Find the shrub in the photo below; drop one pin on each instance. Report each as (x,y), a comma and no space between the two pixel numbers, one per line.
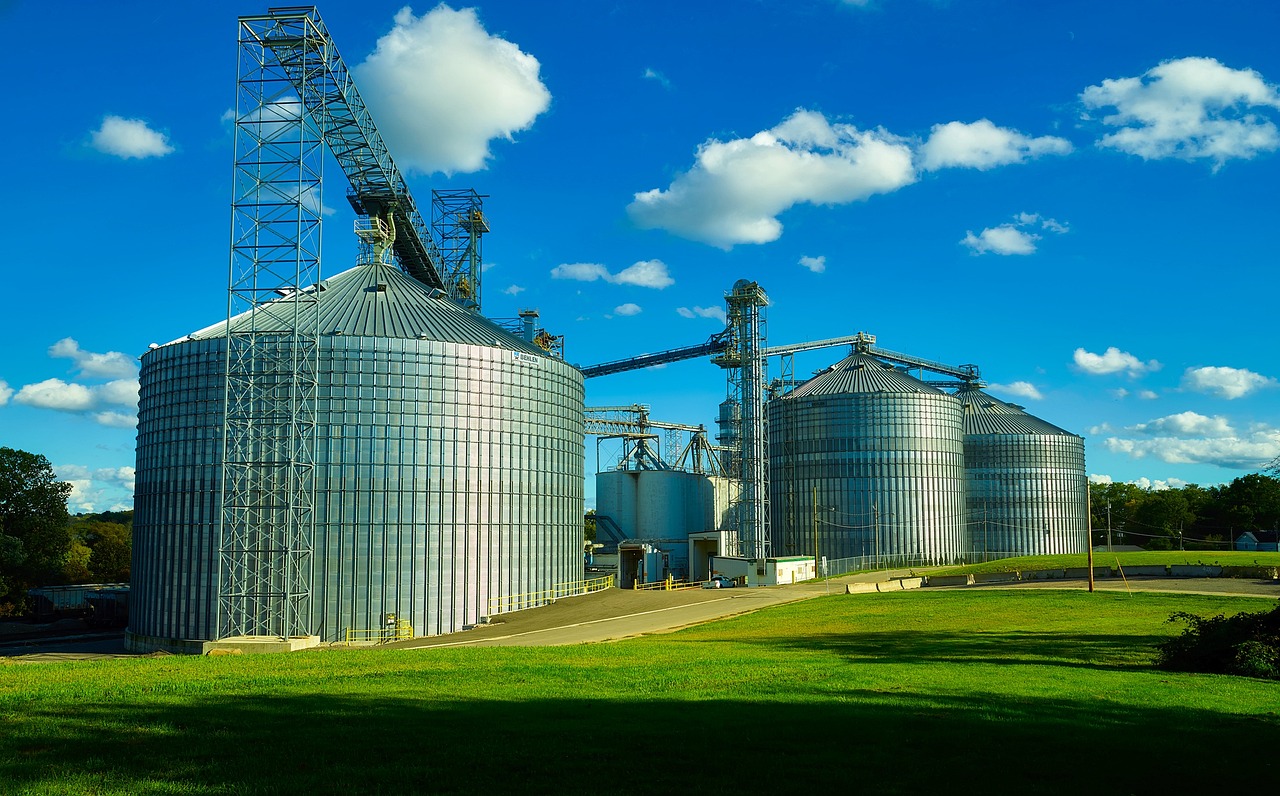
(1246,644)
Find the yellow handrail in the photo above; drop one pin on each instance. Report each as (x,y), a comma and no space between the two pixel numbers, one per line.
(401,631)
(532,599)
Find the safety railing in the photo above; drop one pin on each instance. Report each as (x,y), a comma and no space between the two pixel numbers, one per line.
(397,630)
(532,599)
(670,584)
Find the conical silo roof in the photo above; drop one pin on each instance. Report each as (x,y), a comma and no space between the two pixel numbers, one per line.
(861,373)
(984,414)
(381,301)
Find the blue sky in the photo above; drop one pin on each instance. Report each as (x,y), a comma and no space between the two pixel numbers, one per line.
(1079,197)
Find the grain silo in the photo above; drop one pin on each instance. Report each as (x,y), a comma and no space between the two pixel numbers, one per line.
(449,467)
(883,453)
(1027,487)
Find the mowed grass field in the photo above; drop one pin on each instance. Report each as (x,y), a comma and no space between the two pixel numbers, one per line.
(1130,558)
(958,691)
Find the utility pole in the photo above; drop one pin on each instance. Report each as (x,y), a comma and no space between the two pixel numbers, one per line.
(1088,492)
(816,571)
(1109,550)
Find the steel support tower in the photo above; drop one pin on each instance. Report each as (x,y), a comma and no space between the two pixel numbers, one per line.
(745,362)
(267,523)
(458,225)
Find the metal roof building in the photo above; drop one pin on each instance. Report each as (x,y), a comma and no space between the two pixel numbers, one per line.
(882,452)
(449,466)
(1027,487)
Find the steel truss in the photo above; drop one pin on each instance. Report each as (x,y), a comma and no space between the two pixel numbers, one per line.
(266,528)
(746,365)
(458,225)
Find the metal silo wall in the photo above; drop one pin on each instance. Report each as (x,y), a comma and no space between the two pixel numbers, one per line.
(447,474)
(1027,493)
(896,454)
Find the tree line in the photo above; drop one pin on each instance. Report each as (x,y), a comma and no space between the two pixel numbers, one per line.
(41,544)
(1191,517)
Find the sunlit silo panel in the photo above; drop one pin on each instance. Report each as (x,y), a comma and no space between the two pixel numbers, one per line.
(449,468)
(1027,486)
(883,453)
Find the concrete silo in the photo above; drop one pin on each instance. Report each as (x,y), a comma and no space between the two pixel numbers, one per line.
(1027,486)
(449,468)
(882,451)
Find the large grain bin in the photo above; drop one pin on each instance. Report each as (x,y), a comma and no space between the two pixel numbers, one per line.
(883,452)
(1027,487)
(449,468)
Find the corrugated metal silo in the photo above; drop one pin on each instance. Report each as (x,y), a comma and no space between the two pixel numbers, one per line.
(1027,486)
(449,467)
(657,504)
(883,451)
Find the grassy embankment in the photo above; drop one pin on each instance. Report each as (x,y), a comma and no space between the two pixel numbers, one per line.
(1232,558)
(959,691)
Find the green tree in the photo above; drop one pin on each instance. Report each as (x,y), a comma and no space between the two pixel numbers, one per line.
(34,532)
(1122,500)
(1164,515)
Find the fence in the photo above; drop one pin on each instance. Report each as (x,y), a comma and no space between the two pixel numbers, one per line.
(394,630)
(670,584)
(843,566)
(532,599)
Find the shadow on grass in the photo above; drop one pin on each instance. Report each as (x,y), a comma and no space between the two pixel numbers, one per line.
(869,740)
(1008,647)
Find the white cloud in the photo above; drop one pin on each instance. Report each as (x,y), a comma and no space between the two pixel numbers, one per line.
(90,487)
(6,392)
(115,419)
(513,290)
(646,273)
(815,264)
(1100,479)
(129,138)
(1158,485)
(1120,393)
(1185,424)
(108,365)
(655,75)
(1188,108)
(121,392)
(1148,395)
(1229,383)
(1004,239)
(716,313)
(56,394)
(627,309)
(1113,360)
(1018,389)
(1014,238)
(1191,438)
(442,88)
(736,189)
(982,145)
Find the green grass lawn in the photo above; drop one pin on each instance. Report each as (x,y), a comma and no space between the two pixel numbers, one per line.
(1142,558)
(961,691)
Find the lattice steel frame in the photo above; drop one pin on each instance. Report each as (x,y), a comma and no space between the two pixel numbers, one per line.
(458,226)
(747,372)
(266,527)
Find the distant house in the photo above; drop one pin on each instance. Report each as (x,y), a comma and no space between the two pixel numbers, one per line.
(1258,541)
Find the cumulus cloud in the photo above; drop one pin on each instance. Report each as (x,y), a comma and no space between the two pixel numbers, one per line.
(1158,485)
(129,138)
(646,273)
(115,419)
(627,309)
(716,313)
(442,88)
(112,364)
(815,264)
(1100,479)
(737,188)
(1192,438)
(1148,395)
(1120,393)
(1018,389)
(1016,237)
(91,487)
(6,392)
(513,290)
(1229,383)
(1113,360)
(56,394)
(1188,108)
(982,145)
